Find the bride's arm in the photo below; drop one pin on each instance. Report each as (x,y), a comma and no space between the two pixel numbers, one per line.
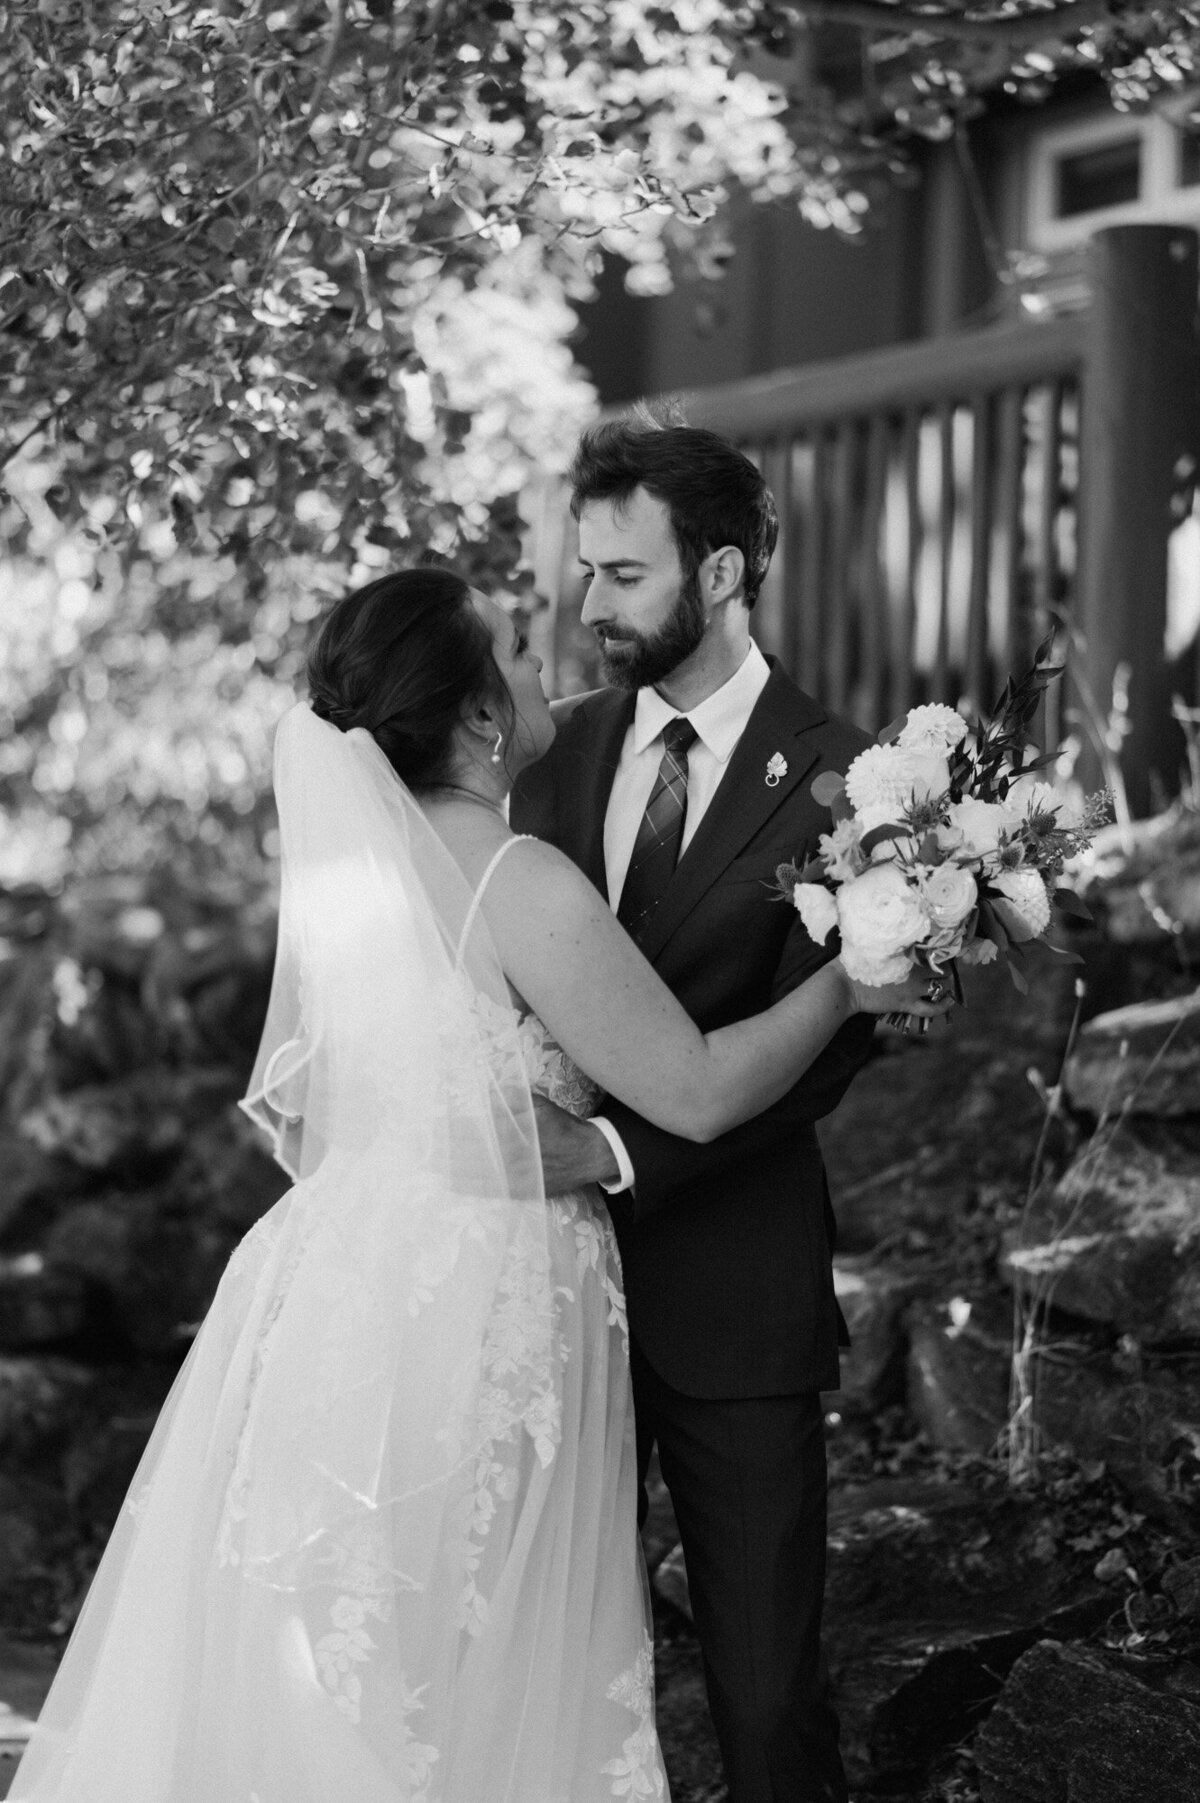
(582,975)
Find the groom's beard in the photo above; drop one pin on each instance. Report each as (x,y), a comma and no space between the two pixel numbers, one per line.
(638,660)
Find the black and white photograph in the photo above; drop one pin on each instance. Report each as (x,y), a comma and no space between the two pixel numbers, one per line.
(599,901)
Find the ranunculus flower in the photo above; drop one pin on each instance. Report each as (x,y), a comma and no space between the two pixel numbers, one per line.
(881,918)
(896,776)
(1022,904)
(981,823)
(936,727)
(816,908)
(950,894)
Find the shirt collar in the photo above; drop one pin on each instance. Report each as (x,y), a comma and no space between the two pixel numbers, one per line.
(720,719)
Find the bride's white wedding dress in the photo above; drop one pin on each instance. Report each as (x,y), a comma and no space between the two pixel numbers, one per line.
(382,1547)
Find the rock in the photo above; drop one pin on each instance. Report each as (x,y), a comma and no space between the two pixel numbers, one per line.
(873,1297)
(38,1304)
(1144,1059)
(959,1359)
(1144,879)
(933,1592)
(1140,1417)
(1117,1239)
(1071,1726)
(930,1125)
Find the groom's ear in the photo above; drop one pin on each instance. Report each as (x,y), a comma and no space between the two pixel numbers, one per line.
(723,575)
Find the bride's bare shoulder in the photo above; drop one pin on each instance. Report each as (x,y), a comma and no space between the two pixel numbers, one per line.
(537,874)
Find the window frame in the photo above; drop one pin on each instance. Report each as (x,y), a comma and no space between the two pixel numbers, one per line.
(1162,198)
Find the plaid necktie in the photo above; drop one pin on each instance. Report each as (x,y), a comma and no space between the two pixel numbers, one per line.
(656,848)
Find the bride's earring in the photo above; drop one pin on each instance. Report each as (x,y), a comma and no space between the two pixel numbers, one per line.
(496,748)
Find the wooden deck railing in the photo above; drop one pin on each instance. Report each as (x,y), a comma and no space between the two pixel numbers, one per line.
(942,503)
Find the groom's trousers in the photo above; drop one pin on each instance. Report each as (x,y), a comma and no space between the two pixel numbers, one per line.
(747,1478)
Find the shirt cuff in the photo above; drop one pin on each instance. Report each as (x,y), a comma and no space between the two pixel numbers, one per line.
(624,1163)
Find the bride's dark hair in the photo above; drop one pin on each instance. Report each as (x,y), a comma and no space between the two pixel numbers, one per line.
(404,656)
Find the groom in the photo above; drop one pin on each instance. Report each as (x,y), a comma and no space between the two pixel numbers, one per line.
(678,790)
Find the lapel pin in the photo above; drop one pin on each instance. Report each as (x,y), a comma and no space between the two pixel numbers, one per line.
(776,768)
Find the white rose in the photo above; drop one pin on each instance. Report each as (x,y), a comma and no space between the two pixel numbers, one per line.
(1022,905)
(816,908)
(936,727)
(895,777)
(950,894)
(881,918)
(981,823)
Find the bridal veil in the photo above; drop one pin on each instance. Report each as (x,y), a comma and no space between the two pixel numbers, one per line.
(370,1549)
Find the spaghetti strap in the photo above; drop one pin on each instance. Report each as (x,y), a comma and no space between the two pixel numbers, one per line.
(484,880)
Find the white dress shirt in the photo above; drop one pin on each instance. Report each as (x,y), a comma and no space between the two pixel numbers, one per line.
(720,721)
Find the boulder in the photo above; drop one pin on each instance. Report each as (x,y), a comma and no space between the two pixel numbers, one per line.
(1074,1726)
(959,1360)
(1117,1239)
(934,1590)
(932,1125)
(1140,1416)
(1143,879)
(873,1297)
(1144,1059)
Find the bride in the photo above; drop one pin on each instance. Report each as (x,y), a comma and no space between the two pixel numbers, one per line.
(382,1545)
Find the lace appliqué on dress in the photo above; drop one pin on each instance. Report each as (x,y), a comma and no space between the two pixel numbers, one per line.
(638,1772)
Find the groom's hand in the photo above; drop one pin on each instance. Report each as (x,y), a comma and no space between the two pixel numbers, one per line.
(573,1151)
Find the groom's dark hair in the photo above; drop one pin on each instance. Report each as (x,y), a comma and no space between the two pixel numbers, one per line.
(713,495)
(403,657)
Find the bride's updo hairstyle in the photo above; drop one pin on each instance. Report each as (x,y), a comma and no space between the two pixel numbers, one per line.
(405,656)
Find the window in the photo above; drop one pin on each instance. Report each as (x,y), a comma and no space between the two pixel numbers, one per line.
(1109,176)
(1108,169)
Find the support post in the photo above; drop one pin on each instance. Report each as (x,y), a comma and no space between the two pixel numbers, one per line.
(1139,425)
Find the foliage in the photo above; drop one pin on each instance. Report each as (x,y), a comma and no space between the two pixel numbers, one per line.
(287,290)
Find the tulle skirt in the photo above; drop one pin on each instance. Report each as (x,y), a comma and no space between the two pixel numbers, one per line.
(382,1545)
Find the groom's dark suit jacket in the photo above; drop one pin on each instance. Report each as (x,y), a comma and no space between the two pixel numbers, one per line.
(726,1247)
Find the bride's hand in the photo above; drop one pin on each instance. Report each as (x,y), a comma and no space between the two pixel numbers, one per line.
(921,995)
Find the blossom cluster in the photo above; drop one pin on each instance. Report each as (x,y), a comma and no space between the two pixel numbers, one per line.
(935,857)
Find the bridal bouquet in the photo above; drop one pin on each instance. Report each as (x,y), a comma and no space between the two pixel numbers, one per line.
(946,848)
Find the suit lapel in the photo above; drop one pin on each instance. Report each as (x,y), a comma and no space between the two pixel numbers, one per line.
(782,722)
(590,752)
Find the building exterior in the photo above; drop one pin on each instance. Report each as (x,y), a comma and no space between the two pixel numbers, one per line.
(980,418)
